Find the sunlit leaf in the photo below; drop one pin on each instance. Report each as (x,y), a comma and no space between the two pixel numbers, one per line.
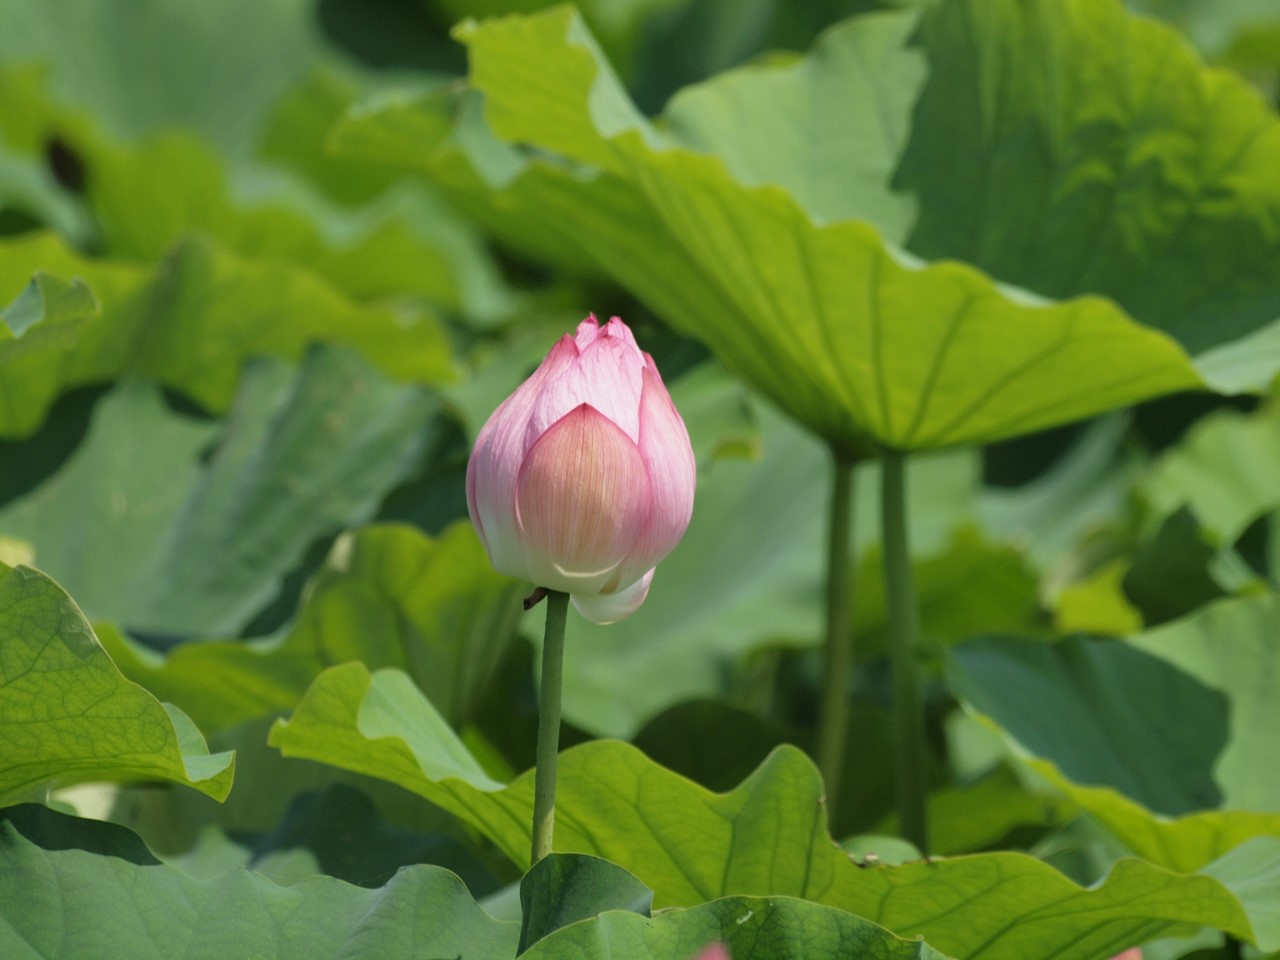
(704,845)
(67,715)
(852,338)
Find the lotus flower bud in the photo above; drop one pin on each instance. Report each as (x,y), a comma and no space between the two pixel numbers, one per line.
(582,480)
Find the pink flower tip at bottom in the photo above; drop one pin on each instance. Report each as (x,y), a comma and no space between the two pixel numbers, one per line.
(716,951)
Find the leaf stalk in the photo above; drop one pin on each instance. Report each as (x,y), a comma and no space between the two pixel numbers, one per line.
(904,628)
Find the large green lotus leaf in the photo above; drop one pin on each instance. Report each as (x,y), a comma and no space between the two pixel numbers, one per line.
(1233,647)
(388,596)
(1069,147)
(191,322)
(690,845)
(76,888)
(152,538)
(851,337)
(1105,713)
(1230,648)
(67,715)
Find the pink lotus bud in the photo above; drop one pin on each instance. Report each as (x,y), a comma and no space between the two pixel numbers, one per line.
(582,480)
(1133,953)
(716,951)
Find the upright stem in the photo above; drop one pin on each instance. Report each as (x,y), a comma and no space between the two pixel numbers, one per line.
(833,722)
(544,785)
(908,709)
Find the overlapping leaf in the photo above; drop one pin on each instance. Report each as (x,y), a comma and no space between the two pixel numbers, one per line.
(767,837)
(67,715)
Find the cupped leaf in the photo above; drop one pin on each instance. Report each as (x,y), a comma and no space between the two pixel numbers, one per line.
(77,888)
(563,888)
(67,715)
(777,928)
(147,535)
(388,596)
(235,309)
(767,837)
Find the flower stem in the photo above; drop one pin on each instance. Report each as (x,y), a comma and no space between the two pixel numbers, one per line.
(833,722)
(908,709)
(544,788)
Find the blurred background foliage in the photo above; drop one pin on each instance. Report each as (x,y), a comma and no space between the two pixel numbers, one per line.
(246,346)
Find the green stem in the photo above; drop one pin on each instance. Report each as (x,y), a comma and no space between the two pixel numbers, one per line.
(544,786)
(908,709)
(833,722)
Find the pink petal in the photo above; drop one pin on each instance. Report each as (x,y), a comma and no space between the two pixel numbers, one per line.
(582,498)
(495,463)
(669,462)
(606,374)
(587,332)
(612,607)
(1133,953)
(716,951)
